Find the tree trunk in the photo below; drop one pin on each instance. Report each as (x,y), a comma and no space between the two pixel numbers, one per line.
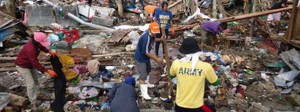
(221,8)
(120,7)
(254,2)
(214,9)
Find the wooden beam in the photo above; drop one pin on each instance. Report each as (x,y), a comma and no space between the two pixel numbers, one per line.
(252,15)
(8,58)
(236,18)
(113,54)
(292,21)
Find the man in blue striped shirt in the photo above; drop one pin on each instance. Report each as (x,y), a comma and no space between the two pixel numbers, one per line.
(142,58)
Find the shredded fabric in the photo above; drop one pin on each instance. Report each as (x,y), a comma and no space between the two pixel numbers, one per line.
(195,58)
(88,92)
(93,66)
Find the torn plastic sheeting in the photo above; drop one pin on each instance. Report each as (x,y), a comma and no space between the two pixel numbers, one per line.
(289,76)
(141,28)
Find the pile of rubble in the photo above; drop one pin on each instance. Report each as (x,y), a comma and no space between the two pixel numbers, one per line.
(253,77)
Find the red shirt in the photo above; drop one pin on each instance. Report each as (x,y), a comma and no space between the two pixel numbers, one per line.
(27,57)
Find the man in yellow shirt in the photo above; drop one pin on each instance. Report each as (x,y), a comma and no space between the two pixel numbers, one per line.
(191,74)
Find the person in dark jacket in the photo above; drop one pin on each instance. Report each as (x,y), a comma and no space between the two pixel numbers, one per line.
(123,96)
(27,64)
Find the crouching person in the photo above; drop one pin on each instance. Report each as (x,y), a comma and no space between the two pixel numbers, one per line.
(123,96)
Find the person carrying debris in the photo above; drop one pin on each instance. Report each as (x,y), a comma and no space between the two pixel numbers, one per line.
(191,74)
(209,31)
(27,64)
(164,19)
(149,10)
(123,97)
(142,57)
(276,16)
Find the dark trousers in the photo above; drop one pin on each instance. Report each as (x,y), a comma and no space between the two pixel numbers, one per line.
(59,86)
(158,43)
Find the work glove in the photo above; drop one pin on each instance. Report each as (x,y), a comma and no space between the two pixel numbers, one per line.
(172,31)
(51,73)
(53,54)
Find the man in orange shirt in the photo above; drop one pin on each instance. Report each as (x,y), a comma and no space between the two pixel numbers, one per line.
(149,10)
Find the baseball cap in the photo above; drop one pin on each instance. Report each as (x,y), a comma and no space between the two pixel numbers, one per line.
(41,38)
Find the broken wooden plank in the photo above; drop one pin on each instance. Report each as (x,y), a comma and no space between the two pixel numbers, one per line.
(118,36)
(113,54)
(235,18)
(8,58)
(5,65)
(293,29)
(13,69)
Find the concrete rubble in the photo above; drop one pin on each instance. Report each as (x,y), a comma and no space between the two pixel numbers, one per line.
(256,74)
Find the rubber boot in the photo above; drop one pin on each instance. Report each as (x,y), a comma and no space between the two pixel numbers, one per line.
(148,83)
(144,91)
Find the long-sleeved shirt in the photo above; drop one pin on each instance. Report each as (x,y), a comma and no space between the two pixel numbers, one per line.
(27,57)
(123,98)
